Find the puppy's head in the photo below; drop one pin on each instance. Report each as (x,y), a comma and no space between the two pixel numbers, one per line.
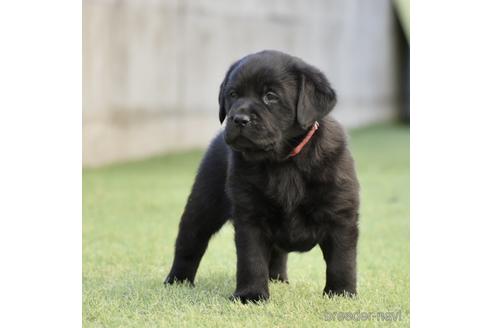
(270,100)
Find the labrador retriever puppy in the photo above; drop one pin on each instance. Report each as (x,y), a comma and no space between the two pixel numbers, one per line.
(281,171)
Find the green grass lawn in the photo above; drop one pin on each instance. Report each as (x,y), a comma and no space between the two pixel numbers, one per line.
(130,220)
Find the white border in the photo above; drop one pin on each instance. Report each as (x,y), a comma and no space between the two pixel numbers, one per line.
(40,174)
(450,163)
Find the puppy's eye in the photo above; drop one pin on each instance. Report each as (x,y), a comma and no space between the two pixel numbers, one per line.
(270,98)
(233,94)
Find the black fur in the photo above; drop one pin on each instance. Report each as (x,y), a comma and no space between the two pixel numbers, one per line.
(278,204)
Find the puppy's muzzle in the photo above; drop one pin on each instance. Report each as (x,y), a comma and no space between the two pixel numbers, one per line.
(241,120)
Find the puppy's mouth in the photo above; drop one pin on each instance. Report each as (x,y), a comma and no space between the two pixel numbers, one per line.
(243,144)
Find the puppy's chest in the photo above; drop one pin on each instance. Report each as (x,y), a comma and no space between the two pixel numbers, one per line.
(286,187)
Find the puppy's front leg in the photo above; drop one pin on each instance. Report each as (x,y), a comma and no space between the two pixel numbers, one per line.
(340,251)
(253,255)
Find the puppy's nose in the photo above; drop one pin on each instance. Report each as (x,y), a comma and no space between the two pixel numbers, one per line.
(241,119)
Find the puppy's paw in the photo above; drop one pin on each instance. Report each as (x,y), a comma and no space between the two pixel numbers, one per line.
(250,297)
(279,278)
(172,279)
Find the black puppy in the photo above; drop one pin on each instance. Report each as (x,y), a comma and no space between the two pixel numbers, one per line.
(281,171)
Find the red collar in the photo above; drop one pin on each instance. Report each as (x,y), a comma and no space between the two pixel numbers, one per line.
(304,141)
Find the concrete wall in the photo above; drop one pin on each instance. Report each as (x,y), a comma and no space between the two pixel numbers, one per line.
(152,68)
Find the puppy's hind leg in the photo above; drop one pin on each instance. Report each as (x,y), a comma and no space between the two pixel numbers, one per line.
(205,213)
(278,265)
(195,230)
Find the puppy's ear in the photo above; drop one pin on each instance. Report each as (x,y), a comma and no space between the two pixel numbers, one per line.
(222,109)
(316,98)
